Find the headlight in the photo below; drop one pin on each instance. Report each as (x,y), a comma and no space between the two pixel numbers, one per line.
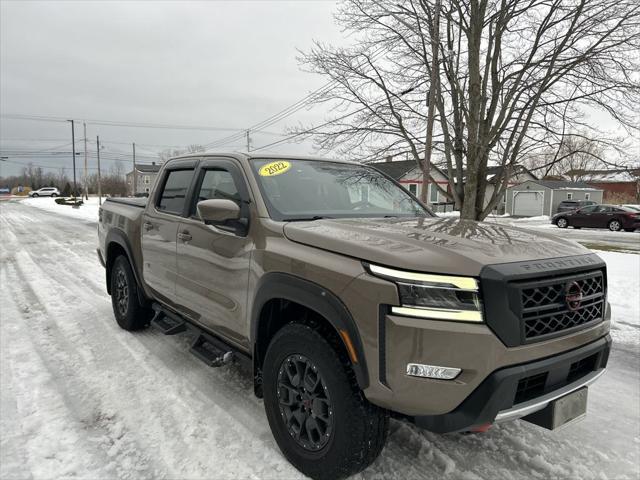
(439,297)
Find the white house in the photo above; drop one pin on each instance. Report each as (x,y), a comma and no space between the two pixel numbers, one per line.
(409,175)
(145,178)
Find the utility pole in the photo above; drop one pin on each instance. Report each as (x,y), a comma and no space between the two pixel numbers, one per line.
(73,148)
(248,142)
(99,184)
(86,187)
(135,173)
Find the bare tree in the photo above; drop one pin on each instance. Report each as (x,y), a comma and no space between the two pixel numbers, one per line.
(515,77)
(573,157)
(168,153)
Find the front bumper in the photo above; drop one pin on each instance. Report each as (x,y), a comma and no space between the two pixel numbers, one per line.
(504,394)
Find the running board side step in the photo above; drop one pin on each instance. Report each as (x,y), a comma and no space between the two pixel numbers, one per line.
(211,351)
(167,323)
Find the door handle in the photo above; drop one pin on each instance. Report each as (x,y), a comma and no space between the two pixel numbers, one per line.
(147,226)
(185,236)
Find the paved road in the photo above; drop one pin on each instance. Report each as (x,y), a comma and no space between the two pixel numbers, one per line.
(81,398)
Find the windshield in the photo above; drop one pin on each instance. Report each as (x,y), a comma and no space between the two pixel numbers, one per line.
(311,189)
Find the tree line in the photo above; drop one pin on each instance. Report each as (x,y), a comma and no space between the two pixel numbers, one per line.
(113,181)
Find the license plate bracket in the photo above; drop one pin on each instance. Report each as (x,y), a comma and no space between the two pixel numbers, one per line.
(561,411)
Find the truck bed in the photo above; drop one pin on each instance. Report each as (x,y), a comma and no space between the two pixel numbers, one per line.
(139,202)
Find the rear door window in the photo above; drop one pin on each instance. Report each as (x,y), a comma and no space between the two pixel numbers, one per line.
(174,193)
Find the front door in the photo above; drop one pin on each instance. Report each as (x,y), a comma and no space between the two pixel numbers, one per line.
(583,217)
(213,262)
(159,233)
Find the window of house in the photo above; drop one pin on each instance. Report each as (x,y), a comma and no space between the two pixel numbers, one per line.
(569,196)
(413,188)
(433,193)
(587,196)
(174,192)
(147,180)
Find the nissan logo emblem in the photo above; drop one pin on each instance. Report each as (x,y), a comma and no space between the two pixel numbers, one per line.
(573,295)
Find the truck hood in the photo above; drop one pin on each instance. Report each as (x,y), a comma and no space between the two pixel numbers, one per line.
(439,245)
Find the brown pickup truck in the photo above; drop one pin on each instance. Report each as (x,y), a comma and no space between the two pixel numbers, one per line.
(351,302)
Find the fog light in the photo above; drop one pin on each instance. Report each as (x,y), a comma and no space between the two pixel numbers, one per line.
(432,371)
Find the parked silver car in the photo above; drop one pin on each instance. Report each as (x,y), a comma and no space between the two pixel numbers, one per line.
(45,192)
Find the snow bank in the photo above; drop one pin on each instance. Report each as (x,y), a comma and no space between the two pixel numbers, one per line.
(88,211)
(623,274)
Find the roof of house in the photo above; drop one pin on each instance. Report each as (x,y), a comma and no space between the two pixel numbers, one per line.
(564,185)
(398,169)
(494,172)
(147,167)
(618,175)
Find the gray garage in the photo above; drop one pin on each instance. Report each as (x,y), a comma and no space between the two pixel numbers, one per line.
(541,197)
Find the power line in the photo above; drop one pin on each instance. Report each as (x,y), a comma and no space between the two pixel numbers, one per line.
(115,123)
(288,111)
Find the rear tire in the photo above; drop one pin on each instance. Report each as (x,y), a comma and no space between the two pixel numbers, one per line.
(562,222)
(341,433)
(129,314)
(614,225)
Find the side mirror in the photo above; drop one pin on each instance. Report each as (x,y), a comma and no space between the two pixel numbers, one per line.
(218,211)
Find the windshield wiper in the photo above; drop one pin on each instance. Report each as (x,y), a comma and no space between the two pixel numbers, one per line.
(305,219)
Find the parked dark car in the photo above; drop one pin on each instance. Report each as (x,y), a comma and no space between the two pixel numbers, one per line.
(613,217)
(569,205)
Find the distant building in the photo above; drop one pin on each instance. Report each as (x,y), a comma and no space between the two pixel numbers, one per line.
(409,175)
(494,176)
(145,178)
(619,185)
(541,197)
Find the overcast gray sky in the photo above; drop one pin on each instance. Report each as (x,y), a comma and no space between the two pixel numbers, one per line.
(208,63)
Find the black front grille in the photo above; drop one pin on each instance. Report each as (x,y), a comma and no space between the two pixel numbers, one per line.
(545,309)
(582,367)
(531,387)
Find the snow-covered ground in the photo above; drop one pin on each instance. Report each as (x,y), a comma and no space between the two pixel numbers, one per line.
(87,211)
(80,398)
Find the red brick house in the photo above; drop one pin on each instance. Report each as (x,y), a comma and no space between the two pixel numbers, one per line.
(620,186)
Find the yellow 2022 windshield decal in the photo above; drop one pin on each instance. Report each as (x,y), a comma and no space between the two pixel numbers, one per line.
(274,168)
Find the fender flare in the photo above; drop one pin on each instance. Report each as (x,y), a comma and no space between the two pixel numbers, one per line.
(316,298)
(119,238)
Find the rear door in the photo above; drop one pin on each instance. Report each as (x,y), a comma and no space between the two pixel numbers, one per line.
(603,214)
(213,262)
(160,227)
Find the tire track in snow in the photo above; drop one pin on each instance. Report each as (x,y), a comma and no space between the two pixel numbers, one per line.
(90,421)
(180,410)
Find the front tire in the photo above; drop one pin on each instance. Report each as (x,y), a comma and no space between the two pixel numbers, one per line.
(35,195)
(54,195)
(562,222)
(129,314)
(615,225)
(320,419)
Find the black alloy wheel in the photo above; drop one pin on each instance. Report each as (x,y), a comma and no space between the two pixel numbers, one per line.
(129,312)
(122,291)
(305,404)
